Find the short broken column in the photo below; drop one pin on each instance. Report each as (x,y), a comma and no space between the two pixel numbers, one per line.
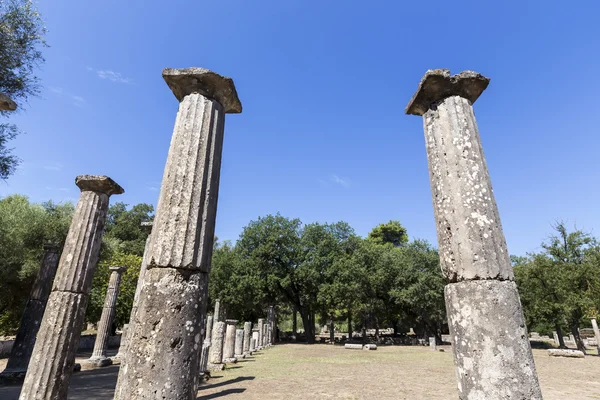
(432,344)
(229,345)
(254,340)
(218,315)
(482,302)
(596,334)
(123,343)
(165,341)
(215,358)
(239,343)
(53,356)
(206,345)
(247,334)
(20,353)
(99,358)
(261,331)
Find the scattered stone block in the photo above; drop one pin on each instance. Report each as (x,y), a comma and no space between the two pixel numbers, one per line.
(565,353)
(370,347)
(354,346)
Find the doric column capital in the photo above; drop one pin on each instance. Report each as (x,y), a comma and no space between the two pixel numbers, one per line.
(185,81)
(98,183)
(117,269)
(437,84)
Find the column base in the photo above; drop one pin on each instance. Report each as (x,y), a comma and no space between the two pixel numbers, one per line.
(215,367)
(492,354)
(238,356)
(99,362)
(231,360)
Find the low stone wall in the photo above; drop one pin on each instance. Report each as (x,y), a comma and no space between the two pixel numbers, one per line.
(86,343)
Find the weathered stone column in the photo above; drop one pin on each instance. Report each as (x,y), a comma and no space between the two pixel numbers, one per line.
(265,342)
(206,345)
(216,348)
(123,344)
(229,346)
(432,343)
(492,354)
(247,333)
(164,348)
(53,356)
(596,334)
(261,331)
(98,357)
(239,343)
(32,317)
(217,315)
(254,340)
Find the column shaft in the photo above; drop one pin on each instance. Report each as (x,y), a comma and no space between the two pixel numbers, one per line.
(261,330)
(596,334)
(247,333)
(218,338)
(229,346)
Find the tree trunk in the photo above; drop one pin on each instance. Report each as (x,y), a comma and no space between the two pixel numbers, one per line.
(578,341)
(561,340)
(331,331)
(376,330)
(395,326)
(349,324)
(295,323)
(309,325)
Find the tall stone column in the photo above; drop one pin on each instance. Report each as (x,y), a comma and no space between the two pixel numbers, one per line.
(206,345)
(53,355)
(32,317)
(239,343)
(596,334)
(229,346)
(254,340)
(247,333)
(163,355)
(492,354)
(99,358)
(216,348)
(261,330)
(217,314)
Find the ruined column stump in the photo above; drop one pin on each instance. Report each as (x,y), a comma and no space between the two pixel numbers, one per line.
(206,347)
(492,354)
(53,357)
(229,345)
(247,333)
(254,340)
(122,345)
(261,331)
(239,344)
(99,358)
(20,354)
(162,360)
(215,357)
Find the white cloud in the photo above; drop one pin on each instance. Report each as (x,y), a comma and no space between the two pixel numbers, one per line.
(345,182)
(78,101)
(53,166)
(113,76)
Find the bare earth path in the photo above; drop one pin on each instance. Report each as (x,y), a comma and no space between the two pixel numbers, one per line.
(296,371)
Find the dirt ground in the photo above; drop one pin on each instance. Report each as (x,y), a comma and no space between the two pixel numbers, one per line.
(296,371)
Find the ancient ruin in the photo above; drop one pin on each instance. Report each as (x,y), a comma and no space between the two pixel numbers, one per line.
(172,301)
(492,354)
(53,355)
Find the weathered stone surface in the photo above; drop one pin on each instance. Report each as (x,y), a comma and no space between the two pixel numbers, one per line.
(254,341)
(32,317)
(143,269)
(247,333)
(206,345)
(6,103)
(261,332)
(370,347)
(353,346)
(565,353)
(229,346)
(99,358)
(239,343)
(437,84)
(491,347)
(470,237)
(57,340)
(432,343)
(123,345)
(216,367)
(168,310)
(186,81)
(217,315)
(218,339)
(596,333)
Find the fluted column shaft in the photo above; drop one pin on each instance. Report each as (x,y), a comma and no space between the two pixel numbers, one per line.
(53,356)
(229,346)
(247,334)
(165,342)
(492,354)
(32,316)
(106,319)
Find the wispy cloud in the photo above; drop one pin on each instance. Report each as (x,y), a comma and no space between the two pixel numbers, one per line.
(112,76)
(153,188)
(53,166)
(345,182)
(58,189)
(77,101)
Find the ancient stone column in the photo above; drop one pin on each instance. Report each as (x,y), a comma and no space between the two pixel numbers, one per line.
(432,344)
(596,334)
(32,317)
(53,356)
(247,333)
(261,330)
(123,343)
(217,315)
(218,338)
(239,343)
(492,354)
(206,345)
(265,342)
(229,346)
(165,341)
(99,358)
(254,341)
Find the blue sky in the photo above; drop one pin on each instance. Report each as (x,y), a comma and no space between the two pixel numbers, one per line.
(323,135)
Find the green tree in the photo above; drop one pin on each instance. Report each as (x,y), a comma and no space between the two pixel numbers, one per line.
(392,232)
(24,228)
(123,230)
(21,37)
